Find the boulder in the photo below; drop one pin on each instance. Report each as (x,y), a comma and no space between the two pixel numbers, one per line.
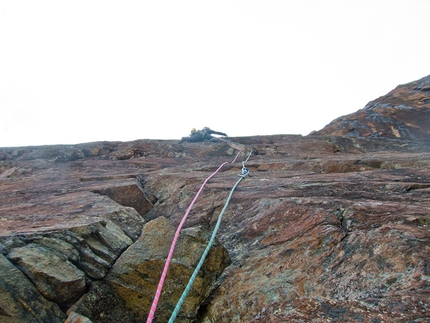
(53,275)
(133,279)
(20,301)
(60,264)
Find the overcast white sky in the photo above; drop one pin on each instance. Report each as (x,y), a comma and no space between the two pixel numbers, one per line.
(79,71)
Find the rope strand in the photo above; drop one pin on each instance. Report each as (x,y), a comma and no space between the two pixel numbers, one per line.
(208,247)
(202,259)
(173,245)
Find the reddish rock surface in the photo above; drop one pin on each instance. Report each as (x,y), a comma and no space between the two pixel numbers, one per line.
(402,113)
(326,229)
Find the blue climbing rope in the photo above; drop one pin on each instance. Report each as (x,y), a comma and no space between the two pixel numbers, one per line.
(243,174)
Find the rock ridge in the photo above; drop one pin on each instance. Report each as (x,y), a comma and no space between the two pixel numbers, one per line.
(402,113)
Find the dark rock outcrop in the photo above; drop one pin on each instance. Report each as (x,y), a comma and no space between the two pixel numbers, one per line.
(402,113)
(327,229)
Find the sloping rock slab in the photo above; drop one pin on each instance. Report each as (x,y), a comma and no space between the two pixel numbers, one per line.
(327,228)
(74,209)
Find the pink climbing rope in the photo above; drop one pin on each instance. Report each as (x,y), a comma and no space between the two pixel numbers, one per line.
(172,247)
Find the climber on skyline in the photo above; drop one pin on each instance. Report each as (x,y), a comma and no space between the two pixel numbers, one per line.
(202,135)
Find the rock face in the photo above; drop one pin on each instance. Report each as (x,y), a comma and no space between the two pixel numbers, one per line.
(402,113)
(326,229)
